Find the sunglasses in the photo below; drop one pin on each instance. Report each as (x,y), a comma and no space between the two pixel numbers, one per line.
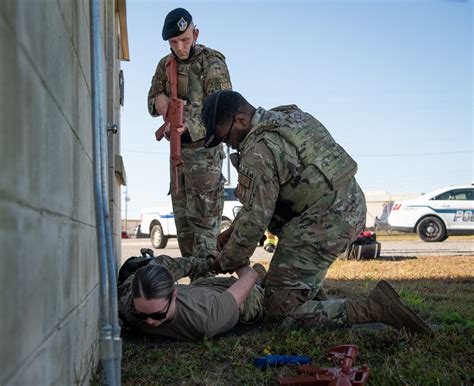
(226,138)
(155,315)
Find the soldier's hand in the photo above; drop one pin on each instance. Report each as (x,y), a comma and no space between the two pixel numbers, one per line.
(211,261)
(223,238)
(217,266)
(161,104)
(180,130)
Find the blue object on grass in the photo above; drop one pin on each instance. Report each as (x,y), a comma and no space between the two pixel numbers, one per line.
(274,360)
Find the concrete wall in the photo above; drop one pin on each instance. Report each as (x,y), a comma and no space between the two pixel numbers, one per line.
(49,294)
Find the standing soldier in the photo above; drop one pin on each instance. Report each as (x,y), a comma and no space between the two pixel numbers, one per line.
(298,183)
(201,71)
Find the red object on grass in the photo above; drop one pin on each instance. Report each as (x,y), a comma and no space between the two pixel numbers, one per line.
(344,375)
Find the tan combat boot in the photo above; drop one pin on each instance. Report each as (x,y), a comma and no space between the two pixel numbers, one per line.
(383,305)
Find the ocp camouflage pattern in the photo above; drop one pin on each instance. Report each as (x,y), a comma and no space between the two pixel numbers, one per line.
(295,180)
(203,74)
(198,205)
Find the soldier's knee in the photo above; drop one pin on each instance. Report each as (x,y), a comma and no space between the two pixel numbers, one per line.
(279,303)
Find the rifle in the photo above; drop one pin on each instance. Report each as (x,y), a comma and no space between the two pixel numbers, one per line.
(344,375)
(174,118)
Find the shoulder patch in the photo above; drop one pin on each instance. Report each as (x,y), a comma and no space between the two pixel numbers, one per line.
(297,116)
(244,180)
(245,186)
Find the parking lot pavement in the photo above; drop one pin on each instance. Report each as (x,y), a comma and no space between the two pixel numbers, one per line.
(131,247)
(450,247)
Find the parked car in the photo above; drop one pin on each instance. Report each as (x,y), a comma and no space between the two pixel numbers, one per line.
(158,222)
(125,234)
(437,214)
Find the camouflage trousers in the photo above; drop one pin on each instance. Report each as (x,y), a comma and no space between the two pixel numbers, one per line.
(251,310)
(307,246)
(199,203)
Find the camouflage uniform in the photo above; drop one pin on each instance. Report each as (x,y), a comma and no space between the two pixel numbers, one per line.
(295,180)
(250,311)
(198,205)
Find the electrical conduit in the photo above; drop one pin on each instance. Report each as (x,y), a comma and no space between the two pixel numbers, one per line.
(109,339)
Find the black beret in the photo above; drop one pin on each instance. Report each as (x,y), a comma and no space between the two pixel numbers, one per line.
(176,22)
(208,115)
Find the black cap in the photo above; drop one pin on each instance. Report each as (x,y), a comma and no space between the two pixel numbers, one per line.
(208,116)
(176,23)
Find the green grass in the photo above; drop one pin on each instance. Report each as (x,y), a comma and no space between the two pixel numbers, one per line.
(440,289)
(394,357)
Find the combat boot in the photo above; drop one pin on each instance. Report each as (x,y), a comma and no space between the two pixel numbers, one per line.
(383,305)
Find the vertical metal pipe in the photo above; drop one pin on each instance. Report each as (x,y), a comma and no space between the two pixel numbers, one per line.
(110,342)
(109,52)
(111,264)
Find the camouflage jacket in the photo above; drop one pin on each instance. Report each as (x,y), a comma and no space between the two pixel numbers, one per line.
(288,164)
(203,74)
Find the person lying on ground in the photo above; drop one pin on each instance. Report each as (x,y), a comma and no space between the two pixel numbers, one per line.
(152,302)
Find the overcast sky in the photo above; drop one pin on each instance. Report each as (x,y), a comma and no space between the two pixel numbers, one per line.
(391,80)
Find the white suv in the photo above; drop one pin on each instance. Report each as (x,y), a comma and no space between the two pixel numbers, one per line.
(159,223)
(436,215)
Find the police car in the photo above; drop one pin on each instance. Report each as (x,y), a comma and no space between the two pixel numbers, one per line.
(158,222)
(436,215)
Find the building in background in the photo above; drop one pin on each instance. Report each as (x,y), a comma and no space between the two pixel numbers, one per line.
(379,205)
(49,279)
